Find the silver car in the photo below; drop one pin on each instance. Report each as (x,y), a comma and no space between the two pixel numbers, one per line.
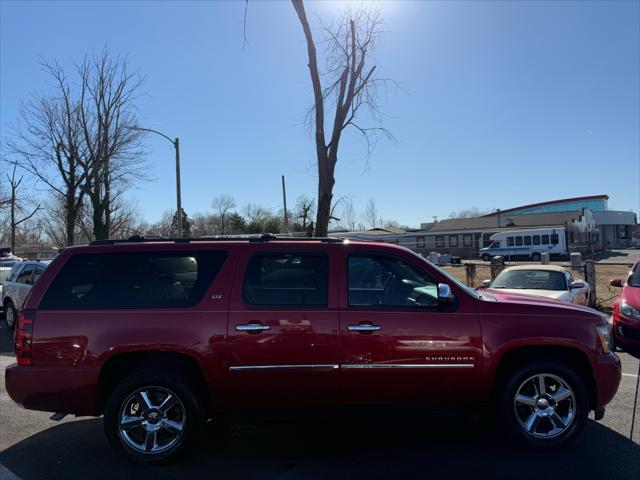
(16,286)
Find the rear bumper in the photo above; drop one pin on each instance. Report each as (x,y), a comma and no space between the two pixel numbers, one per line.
(607,372)
(62,390)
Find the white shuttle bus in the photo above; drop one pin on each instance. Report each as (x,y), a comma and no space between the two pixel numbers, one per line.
(528,242)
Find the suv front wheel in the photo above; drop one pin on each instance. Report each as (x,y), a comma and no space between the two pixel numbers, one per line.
(151,417)
(545,404)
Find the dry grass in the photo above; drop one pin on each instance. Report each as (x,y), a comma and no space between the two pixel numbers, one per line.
(605,293)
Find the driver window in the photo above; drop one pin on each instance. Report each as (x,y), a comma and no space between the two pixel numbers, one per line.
(378,280)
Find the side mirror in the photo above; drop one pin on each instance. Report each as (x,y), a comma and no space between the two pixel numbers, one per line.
(578,284)
(616,282)
(445,294)
(486,283)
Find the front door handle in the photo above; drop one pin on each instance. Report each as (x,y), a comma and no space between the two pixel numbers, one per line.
(252,327)
(363,328)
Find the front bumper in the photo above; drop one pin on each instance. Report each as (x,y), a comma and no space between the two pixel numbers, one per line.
(58,389)
(626,331)
(607,374)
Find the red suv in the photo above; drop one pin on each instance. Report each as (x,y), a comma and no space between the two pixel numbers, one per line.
(626,311)
(159,336)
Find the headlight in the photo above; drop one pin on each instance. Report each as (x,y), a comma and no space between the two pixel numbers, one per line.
(628,311)
(604,334)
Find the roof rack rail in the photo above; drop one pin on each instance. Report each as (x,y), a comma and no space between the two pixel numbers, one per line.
(266,237)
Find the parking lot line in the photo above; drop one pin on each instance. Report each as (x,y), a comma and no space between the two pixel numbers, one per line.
(629,375)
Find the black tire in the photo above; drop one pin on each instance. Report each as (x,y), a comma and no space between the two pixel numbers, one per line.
(10,315)
(514,414)
(536,257)
(486,257)
(156,383)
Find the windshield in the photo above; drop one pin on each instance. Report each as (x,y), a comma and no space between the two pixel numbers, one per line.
(531,280)
(495,245)
(634,278)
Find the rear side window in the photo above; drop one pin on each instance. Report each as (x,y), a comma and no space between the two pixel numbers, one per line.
(554,239)
(133,280)
(527,240)
(518,241)
(536,239)
(510,241)
(25,274)
(545,239)
(286,279)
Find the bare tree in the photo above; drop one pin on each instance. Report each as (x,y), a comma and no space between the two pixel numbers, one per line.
(255,213)
(472,212)
(113,159)
(223,204)
(349,215)
(47,143)
(305,208)
(371,217)
(15,205)
(350,82)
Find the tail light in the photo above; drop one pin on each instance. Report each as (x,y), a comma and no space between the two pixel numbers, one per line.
(22,342)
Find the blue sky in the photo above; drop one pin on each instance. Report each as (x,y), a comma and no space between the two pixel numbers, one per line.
(502,103)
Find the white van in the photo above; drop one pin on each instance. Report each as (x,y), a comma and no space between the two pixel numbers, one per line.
(530,243)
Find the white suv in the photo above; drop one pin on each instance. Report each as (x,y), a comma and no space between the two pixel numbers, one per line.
(16,286)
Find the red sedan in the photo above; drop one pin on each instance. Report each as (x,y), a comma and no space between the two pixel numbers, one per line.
(626,311)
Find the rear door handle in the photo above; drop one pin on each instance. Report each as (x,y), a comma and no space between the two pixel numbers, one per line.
(252,327)
(363,328)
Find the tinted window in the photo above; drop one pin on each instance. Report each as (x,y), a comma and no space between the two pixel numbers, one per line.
(510,241)
(377,281)
(286,279)
(25,274)
(519,241)
(536,239)
(554,239)
(634,278)
(527,240)
(133,280)
(545,239)
(37,272)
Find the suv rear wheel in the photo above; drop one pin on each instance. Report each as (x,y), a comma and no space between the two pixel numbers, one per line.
(545,404)
(10,314)
(152,416)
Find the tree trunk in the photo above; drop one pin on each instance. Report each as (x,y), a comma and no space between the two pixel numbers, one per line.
(13,218)
(71,217)
(326,182)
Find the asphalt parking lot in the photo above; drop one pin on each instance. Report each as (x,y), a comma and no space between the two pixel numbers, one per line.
(34,447)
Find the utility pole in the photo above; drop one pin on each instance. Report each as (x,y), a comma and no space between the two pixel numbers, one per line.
(176,144)
(284,201)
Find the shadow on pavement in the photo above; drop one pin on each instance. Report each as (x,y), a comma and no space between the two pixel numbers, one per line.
(451,447)
(6,337)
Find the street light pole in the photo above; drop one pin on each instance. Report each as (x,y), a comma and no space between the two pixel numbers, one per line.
(176,145)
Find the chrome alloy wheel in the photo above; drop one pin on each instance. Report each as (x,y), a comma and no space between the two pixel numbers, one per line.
(152,420)
(545,405)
